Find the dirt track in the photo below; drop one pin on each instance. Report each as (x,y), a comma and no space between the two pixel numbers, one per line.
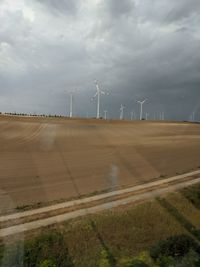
(43,160)
(25,221)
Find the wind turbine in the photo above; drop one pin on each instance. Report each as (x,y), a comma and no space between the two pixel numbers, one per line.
(132,115)
(193,116)
(122,112)
(71,105)
(71,93)
(105,114)
(99,92)
(163,115)
(141,107)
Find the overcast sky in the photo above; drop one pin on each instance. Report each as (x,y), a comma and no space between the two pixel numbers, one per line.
(134,48)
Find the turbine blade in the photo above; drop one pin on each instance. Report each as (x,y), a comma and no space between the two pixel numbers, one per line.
(95,95)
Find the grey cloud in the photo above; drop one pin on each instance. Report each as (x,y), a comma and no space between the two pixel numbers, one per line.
(182,9)
(14,30)
(117,8)
(65,7)
(131,48)
(113,13)
(168,11)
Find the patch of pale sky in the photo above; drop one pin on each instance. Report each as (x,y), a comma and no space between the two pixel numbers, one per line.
(28,13)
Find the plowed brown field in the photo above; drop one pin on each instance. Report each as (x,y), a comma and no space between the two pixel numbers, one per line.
(46,159)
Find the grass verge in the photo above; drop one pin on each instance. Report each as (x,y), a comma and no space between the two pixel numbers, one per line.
(110,237)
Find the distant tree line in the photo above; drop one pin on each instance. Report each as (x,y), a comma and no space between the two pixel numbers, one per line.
(31,115)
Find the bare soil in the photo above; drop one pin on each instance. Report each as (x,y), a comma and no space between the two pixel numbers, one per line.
(47,159)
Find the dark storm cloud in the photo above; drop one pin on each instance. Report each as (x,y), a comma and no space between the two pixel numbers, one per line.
(61,6)
(182,9)
(169,12)
(118,8)
(136,49)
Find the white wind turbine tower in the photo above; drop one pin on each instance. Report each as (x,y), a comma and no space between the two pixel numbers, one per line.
(99,92)
(71,94)
(141,107)
(193,116)
(132,115)
(105,114)
(70,102)
(71,105)
(163,115)
(122,112)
